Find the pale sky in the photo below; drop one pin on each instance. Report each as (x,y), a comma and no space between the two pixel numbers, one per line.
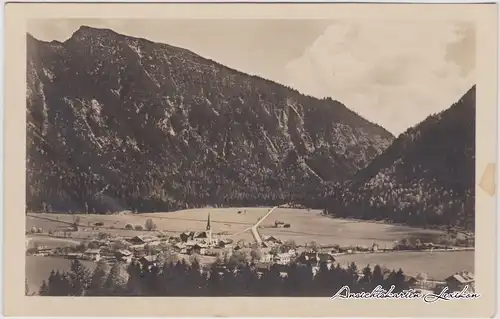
(394,73)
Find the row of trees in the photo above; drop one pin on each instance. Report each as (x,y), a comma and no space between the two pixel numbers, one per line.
(221,279)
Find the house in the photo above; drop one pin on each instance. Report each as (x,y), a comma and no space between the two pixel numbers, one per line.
(74,255)
(42,251)
(191,243)
(92,254)
(225,243)
(148,261)
(266,257)
(412,281)
(179,246)
(459,281)
(308,258)
(325,258)
(272,240)
(185,236)
(137,240)
(200,235)
(144,239)
(282,259)
(279,223)
(261,268)
(199,248)
(124,256)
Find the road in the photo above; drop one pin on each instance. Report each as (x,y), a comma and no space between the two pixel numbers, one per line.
(253,229)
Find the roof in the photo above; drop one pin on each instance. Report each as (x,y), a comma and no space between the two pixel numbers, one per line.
(409,277)
(283,255)
(124,252)
(270,238)
(146,238)
(200,234)
(191,243)
(261,266)
(92,251)
(463,277)
(202,245)
(325,257)
(150,258)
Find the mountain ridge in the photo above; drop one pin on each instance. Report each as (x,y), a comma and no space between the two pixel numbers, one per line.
(426,176)
(147,126)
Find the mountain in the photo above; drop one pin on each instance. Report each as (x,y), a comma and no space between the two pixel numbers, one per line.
(122,123)
(426,177)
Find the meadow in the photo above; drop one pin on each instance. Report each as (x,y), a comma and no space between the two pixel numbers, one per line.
(306,226)
(437,265)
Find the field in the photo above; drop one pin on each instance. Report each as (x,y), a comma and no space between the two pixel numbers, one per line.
(50,242)
(437,265)
(306,226)
(38,269)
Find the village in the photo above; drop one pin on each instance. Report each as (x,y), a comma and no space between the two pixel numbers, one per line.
(152,248)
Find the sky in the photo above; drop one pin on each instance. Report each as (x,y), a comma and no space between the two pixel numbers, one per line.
(393,73)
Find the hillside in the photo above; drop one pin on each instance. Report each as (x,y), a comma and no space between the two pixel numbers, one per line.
(425,177)
(116,122)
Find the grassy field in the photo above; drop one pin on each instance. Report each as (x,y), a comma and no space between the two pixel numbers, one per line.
(437,265)
(50,242)
(38,269)
(306,226)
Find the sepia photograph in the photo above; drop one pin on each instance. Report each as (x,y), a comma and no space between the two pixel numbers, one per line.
(320,157)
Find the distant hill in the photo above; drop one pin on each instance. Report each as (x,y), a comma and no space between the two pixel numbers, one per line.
(116,122)
(425,177)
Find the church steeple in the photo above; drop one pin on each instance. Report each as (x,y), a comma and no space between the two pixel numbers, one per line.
(209,230)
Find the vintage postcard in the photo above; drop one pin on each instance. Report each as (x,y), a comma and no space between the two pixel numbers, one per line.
(288,159)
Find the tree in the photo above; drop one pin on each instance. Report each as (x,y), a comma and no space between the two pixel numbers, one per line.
(399,281)
(314,246)
(98,279)
(377,276)
(117,280)
(352,272)
(149,225)
(58,284)
(129,226)
(367,274)
(289,244)
(26,287)
(79,278)
(256,254)
(422,276)
(139,227)
(44,289)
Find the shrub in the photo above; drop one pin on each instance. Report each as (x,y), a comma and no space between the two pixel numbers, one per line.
(138,227)
(150,225)
(129,226)
(102,236)
(33,230)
